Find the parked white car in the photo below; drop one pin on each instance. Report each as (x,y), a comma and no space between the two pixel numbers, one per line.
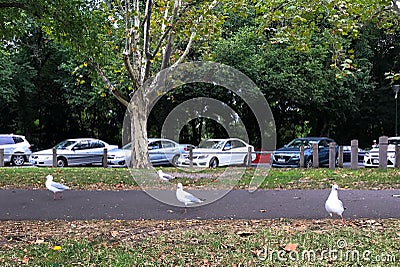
(371,158)
(78,151)
(218,152)
(16,149)
(161,152)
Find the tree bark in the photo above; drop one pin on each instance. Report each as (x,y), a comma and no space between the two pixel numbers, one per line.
(138,110)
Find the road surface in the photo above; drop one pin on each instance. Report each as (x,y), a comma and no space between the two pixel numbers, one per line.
(237,204)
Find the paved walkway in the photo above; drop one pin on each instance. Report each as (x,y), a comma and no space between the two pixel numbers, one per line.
(237,204)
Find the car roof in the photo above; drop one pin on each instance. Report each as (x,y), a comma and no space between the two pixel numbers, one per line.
(223,139)
(80,139)
(159,139)
(314,138)
(18,135)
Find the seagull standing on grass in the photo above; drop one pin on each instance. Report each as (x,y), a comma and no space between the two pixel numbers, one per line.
(186,197)
(164,176)
(55,187)
(333,204)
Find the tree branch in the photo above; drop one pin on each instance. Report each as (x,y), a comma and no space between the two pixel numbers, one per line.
(186,52)
(110,86)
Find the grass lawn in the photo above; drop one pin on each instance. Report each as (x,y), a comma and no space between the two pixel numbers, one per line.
(120,178)
(284,242)
(200,243)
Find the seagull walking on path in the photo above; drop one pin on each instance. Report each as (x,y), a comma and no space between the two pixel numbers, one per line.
(333,204)
(164,176)
(186,197)
(55,187)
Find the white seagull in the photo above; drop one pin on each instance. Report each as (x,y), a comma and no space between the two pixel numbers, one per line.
(333,204)
(186,197)
(164,176)
(55,187)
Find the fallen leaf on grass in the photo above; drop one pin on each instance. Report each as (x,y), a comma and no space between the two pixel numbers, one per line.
(114,233)
(291,247)
(39,241)
(25,260)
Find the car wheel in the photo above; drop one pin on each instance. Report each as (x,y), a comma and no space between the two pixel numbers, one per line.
(309,163)
(214,163)
(175,160)
(18,160)
(62,162)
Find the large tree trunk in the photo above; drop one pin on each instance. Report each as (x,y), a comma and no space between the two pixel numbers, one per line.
(138,111)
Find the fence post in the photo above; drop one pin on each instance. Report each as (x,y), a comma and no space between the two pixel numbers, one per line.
(105,163)
(397,157)
(354,154)
(340,157)
(315,155)
(301,162)
(248,163)
(190,156)
(54,157)
(1,157)
(332,155)
(383,147)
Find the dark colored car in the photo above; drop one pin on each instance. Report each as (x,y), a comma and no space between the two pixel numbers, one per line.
(289,155)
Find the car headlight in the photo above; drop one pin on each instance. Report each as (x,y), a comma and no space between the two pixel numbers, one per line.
(203,157)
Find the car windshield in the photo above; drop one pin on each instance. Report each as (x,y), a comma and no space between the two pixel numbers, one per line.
(127,146)
(296,143)
(64,144)
(213,144)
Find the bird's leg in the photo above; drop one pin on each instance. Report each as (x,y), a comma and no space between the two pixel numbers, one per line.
(185,210)
(342,219)
(54,195)
(61,195)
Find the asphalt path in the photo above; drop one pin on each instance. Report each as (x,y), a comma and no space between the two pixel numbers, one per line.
(237,204)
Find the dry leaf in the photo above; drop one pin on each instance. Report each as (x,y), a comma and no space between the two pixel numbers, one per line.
(291,247)
(205,262)
(39,241)
(114,233)
(25,260)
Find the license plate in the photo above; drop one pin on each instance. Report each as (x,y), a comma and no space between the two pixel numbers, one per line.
(281,160)
(375,161)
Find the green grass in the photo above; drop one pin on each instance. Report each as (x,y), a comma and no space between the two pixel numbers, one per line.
(213,243)
(120,178)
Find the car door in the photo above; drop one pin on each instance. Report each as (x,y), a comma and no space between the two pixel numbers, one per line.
(170,150)
(96,150)
(80,153)
(239,151)
(154,152)
(323,151)
(226,156)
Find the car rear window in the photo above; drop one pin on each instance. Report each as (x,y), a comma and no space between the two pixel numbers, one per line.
(18,139)
(6,140)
